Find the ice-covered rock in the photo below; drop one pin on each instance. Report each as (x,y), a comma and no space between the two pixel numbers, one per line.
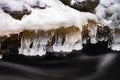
(50,26)
(40,26)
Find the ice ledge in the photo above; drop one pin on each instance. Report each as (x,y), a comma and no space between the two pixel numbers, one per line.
(49,27)
(61,41)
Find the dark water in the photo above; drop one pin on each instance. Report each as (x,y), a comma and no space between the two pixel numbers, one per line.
(77,67)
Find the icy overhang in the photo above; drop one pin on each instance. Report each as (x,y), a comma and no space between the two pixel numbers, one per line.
(19,15)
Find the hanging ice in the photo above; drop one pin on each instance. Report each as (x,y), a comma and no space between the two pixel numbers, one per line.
(50,26)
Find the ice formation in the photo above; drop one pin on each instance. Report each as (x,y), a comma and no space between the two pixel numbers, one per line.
(50,26)
(108,12)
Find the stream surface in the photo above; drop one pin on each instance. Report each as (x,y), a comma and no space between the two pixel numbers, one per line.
(72,67)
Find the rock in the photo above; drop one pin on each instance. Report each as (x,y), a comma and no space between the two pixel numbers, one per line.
(10,44)
(85,5)
(104,32)
(66,2)
(16,14)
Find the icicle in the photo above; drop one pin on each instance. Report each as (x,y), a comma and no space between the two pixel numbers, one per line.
(33,47)
(116,41)
(0,51)
(68,42)
(1,56)
(63,40)
(92,27)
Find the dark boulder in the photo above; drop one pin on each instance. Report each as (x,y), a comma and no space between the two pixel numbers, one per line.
(66,2)
(15,14)
(85,5)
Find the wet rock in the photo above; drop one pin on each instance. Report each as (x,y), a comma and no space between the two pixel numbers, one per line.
(66,2)
(10,45)
(85,5)
(104,33)
(16,14)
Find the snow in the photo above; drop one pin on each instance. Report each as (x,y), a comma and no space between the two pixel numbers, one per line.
(13,5)
(55,15)
(74,1)
(8,25)
(107,10)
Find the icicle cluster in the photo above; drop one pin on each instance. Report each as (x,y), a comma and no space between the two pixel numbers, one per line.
(50,26)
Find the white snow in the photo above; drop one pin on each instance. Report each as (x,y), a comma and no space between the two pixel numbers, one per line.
(13,5)
(107,10)
(74,1)
(55,15)
(8,25)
